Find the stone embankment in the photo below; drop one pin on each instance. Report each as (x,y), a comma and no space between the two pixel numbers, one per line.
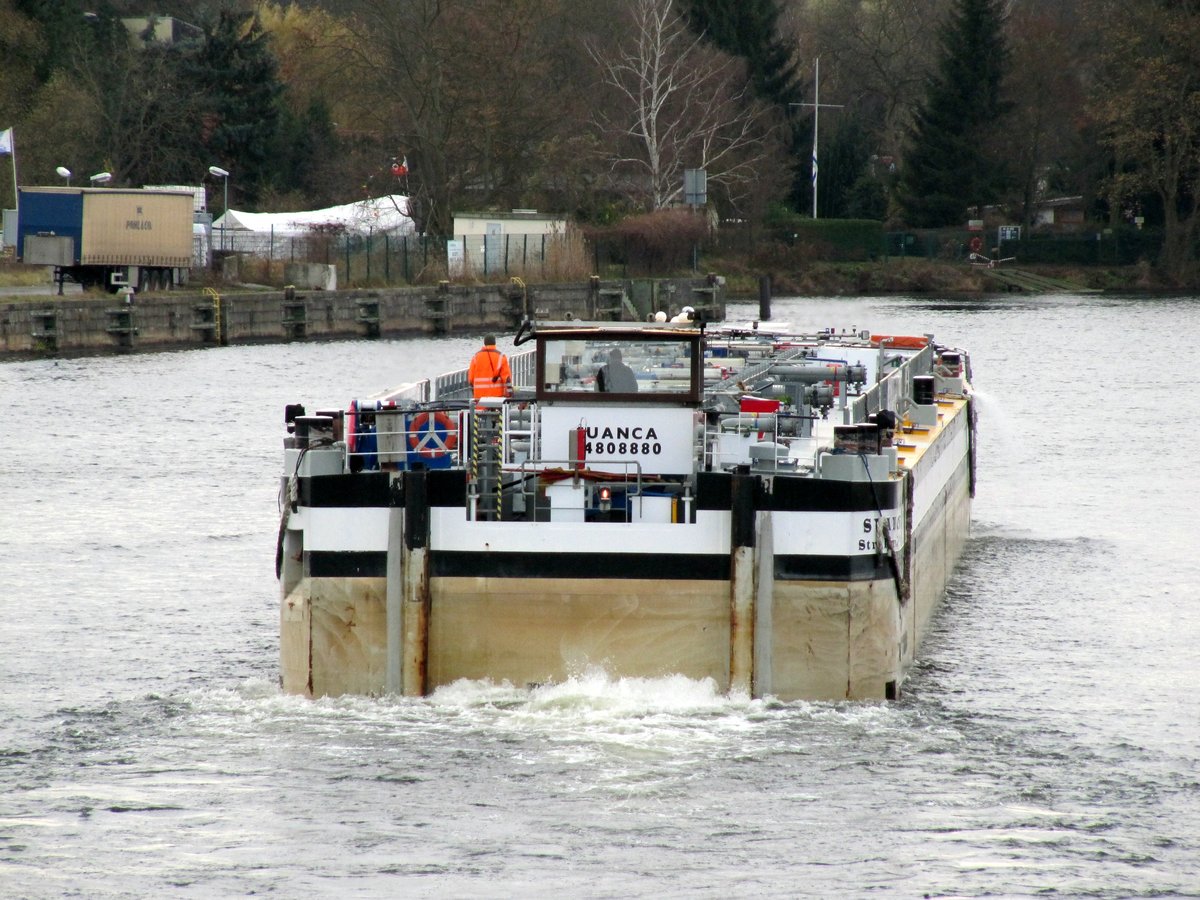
(45,326)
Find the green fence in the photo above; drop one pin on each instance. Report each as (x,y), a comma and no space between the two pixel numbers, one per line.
(388,258)
(1122,246)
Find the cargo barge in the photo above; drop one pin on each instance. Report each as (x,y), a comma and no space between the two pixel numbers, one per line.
(778,512)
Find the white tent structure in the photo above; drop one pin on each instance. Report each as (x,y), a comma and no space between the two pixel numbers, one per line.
(264,233)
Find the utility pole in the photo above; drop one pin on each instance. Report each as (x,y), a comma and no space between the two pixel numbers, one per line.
(816,106)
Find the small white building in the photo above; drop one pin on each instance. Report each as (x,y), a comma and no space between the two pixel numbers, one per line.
(1060,214)
(165,30)
(502,243)
(519,221)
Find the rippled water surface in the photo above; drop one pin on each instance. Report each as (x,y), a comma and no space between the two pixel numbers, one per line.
(1047,744)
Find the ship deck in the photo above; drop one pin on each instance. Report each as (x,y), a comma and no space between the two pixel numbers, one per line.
(912,441)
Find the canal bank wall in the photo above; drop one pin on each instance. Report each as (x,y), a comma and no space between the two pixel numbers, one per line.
(48,326)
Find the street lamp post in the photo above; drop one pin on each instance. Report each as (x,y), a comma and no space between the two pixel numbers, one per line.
(100,178)
(64,172)
(224,175)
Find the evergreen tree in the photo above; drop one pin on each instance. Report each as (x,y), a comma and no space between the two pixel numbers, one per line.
(949,165)
(844,159)
(70,28)
(307,153)
(750,29)
(235,72)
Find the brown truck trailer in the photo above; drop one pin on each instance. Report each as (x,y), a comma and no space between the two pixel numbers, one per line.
(108,237)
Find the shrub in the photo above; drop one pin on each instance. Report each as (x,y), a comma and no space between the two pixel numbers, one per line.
(833,239)
(654,243)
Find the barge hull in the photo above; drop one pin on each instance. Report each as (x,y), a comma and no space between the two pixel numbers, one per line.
(813,640)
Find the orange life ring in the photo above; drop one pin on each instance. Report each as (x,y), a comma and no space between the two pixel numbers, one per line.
(902,341)
(976,244)
(432,434)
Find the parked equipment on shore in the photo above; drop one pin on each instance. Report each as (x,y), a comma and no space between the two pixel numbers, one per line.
(107,237)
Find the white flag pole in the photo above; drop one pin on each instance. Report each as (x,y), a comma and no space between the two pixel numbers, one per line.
(816,106)
(16,199)
(12,151)
(816,125)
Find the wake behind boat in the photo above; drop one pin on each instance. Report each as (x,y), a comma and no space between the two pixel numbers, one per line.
(779,512)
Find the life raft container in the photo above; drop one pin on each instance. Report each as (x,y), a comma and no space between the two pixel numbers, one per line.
(432,434)
(902,341)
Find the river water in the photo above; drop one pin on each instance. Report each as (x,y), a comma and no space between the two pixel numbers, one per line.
(1047,743)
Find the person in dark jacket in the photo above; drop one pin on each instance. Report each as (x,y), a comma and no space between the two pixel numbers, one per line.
(615,377)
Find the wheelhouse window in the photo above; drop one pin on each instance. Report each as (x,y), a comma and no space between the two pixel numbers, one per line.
(602,367)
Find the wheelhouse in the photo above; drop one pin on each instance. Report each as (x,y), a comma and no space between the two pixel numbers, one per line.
(666,363)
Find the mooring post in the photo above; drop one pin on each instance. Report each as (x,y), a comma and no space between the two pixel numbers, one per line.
(415,580)
(764,298)
(742,572)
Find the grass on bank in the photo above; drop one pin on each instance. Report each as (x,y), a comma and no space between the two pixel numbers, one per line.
(16,275)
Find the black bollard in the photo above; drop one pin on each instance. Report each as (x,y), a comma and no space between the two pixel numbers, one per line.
(764,298)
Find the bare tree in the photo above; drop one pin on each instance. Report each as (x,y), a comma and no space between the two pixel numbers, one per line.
(145,121)
(59,130)
(460,87)
(21,46)
(879,55)
(680,104)
(1147,105)
(1042,131)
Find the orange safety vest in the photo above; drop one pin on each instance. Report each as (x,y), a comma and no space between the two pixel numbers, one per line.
(489,373)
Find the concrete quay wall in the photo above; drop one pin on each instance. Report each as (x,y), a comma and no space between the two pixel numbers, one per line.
(49,326)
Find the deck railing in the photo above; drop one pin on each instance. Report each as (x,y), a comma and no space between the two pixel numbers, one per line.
(894,391)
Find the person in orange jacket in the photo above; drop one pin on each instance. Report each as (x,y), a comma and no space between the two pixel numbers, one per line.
(489,373)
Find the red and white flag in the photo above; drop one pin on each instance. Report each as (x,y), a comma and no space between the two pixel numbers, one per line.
(6,141)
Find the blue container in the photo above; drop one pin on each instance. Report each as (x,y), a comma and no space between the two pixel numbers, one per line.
(57,211)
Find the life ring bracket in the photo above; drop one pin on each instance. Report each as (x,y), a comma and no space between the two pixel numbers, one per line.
(432,434)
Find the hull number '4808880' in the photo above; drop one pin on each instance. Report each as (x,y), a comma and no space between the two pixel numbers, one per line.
(622,441)
(622,448)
